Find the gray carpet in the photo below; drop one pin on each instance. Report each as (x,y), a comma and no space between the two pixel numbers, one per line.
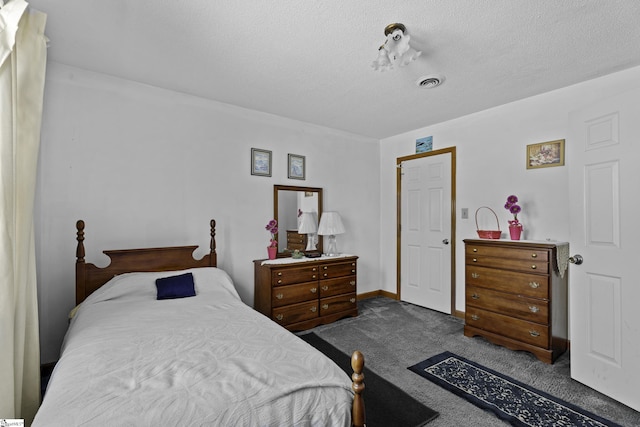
(394,335)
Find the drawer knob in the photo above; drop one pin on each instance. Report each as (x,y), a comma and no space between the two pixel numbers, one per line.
(475,317)
(533,267)
(279,281)
(533,309)
(325,268)
(325,275)
(475,250)
(475,296)
(313,277)
(534,285)
(352,283)
(475,259)
(352,300)
(313,290)
(313,309)
(534,333)
(475,275)
(353,271)
(325,288)
(314,269)
(279,317)
(280,273)
(353,264)
(534,255)
(325,306)
(279,296)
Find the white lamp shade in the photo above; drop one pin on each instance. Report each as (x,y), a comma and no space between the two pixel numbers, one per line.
(308,223)
(330,224)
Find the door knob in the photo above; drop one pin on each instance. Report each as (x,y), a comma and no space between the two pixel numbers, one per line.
(576,259)
(445,241)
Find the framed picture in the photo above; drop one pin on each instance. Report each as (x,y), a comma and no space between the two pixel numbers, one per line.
(545,154)
(296,167)
(260,162)
(424,144)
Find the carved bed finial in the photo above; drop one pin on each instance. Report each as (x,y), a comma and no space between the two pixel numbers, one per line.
(212,245)
(80,239)
(357,413)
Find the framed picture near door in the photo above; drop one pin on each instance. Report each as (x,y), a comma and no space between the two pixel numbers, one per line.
(545,154)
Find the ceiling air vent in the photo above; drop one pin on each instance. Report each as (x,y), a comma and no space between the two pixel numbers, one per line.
(429,82)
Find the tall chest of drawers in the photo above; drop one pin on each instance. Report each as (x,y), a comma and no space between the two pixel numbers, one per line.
(515,296)
(302,294)
(296,240)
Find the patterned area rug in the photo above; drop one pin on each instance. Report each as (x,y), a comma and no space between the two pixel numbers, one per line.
(512,401)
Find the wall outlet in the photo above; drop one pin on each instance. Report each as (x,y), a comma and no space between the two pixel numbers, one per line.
(464,213)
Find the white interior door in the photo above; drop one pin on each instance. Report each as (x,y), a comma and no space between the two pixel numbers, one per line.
(425,253)
(603,151)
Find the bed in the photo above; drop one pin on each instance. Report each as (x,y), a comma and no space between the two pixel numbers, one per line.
(160,338)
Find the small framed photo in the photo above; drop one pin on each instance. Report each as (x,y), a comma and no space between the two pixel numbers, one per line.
(545,154)
(260,162)
(296,167)
(424,144)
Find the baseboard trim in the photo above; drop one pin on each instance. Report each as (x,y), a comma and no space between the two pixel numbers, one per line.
(378,293)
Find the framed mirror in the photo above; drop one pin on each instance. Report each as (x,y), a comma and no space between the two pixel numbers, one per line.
(292,205)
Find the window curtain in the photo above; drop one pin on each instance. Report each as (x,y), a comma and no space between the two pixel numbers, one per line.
(22,71)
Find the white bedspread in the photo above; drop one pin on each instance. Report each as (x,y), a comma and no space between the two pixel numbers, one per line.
(209,360)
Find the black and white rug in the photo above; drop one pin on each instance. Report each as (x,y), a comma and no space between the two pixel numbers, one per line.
(511,400)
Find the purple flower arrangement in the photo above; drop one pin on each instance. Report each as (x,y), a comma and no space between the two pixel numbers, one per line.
(514,208)
(272,228)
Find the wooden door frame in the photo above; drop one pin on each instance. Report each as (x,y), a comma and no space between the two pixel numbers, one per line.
(452,242)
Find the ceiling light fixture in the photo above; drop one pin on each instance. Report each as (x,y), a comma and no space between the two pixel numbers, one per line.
(396,49)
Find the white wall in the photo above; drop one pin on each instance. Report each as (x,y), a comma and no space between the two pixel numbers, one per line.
(149,167)
(491,165)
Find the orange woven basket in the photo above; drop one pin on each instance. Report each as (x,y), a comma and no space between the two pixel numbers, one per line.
(488,234)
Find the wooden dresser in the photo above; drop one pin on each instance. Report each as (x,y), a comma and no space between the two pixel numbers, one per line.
(296,240)
(515,296)
(301,294)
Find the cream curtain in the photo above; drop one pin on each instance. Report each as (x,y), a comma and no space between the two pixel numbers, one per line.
(22,70)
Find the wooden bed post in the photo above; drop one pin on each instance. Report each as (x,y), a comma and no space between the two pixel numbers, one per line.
(80,271)
(357,413)
(212,245)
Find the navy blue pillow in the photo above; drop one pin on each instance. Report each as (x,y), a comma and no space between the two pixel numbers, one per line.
(176,286)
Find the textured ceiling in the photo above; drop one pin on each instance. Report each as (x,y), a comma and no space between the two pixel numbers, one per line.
(310,60)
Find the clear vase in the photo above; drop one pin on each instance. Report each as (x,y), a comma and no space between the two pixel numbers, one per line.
(515,230)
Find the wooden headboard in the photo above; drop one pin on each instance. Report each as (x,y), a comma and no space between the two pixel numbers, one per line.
(89,277)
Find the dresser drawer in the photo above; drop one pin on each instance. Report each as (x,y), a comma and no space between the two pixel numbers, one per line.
(291,294)
(287,276)
(524,265)
(518,329)
(341,285)
(511,253)
(338,269)
(295,313)
(534,310)
(337,304)
(530,285)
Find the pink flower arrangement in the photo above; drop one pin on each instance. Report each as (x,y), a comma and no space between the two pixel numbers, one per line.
(513,207)
(272,228)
